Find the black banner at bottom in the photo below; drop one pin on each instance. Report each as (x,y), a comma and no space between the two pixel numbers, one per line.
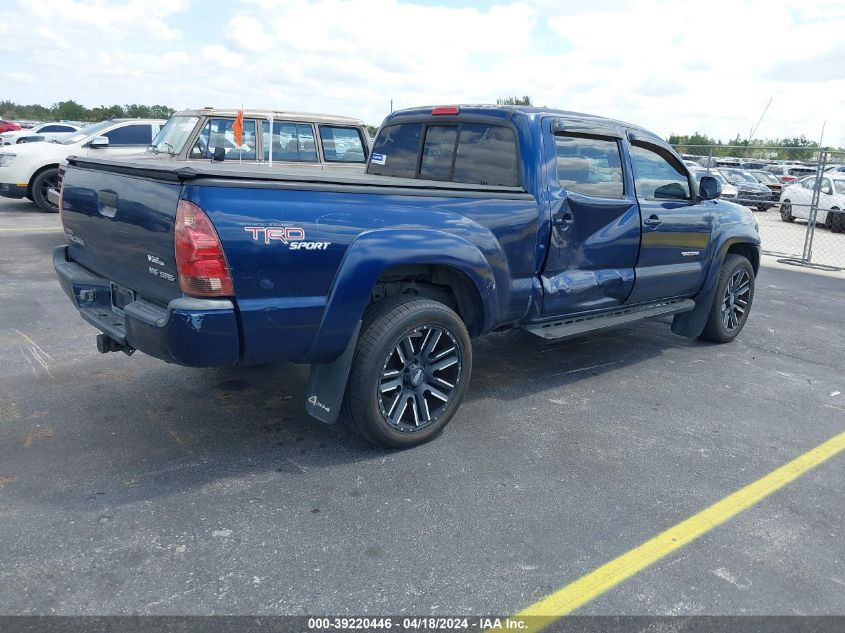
(383,624)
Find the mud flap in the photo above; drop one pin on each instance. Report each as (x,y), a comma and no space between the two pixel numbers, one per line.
(691,324)
(327,383)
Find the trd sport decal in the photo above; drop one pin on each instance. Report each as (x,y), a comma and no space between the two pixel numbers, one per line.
(291,236)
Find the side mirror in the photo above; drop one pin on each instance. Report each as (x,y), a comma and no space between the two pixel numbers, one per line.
(827,190)
(709,188)
(219,154)
(99,142)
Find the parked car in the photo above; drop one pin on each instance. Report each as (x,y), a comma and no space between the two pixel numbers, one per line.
(835,168)
(769,179)
(788,173)
(754,164)
(729,191)
(298,138)
(469,219)
(796,199)
(750,192)
(41,132)
(8,126)
(31,169)
(710,162)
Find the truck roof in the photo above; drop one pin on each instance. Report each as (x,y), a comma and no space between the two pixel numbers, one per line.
(307,117)
(506,112)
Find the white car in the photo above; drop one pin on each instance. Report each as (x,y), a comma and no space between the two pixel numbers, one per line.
(796,199)
(30,169)
(42,132)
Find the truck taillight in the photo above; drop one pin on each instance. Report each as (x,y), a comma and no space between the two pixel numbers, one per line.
(444,110)
(200,262)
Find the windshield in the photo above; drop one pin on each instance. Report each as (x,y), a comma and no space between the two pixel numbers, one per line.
(91,130)
(173,136)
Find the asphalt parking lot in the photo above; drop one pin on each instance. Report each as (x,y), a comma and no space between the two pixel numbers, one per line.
(131,486)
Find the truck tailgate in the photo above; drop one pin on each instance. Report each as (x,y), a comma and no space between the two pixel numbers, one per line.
(121,227)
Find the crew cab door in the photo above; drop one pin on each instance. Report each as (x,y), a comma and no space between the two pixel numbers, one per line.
(595,223)
(676,225)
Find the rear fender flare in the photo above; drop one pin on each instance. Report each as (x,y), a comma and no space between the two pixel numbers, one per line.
(373,252)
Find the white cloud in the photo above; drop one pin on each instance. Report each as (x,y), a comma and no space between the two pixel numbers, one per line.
(668,65)
(248,34)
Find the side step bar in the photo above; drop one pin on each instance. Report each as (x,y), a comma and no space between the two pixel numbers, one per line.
(572,326)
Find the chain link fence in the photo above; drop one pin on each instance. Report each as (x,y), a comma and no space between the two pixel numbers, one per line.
(799,202)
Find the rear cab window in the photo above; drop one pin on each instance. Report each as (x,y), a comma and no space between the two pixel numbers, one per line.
(472,153)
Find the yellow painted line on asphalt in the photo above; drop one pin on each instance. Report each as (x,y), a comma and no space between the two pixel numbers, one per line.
(34,228)
(565,600)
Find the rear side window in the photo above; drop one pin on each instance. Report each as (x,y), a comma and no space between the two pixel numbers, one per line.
(289,141)
(589,165)
(342,144)
(141,134)
(58,128)
(658,175)
(474,153)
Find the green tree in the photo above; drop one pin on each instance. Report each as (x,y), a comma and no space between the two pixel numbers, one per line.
(161,112)
(69,110)
(526,100)
(137,111)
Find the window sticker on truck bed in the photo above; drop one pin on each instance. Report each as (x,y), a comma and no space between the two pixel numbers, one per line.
(378,159)
(291,236)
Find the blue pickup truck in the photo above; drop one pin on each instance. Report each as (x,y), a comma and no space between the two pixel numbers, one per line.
(469,220)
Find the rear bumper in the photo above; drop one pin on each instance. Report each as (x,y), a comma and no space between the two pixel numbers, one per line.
(192,332)
(12,190)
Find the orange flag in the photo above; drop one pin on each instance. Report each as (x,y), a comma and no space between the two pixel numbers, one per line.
(238,128)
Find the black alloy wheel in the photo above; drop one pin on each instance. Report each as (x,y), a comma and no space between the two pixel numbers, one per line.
(411,369)
(419,378)
(736,299)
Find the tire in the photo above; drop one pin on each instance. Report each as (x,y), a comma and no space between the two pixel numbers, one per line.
(836,221)
(40,184)
(402,342)
(786,211)
(732,301)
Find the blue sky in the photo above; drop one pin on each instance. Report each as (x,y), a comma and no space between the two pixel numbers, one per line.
(671,66)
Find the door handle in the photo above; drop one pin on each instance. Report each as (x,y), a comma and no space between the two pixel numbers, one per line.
(653,220)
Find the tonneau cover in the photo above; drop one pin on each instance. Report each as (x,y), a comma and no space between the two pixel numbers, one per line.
(176,170)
